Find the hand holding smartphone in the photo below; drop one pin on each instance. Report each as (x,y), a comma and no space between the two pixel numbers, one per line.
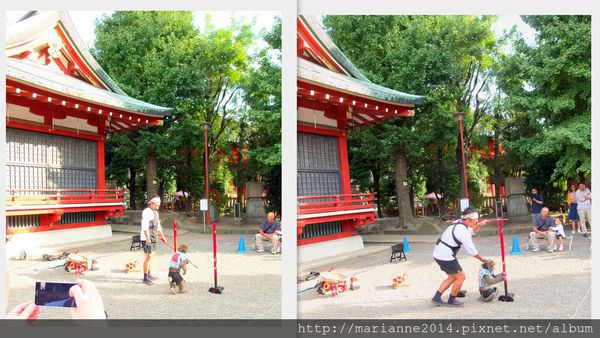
(54,294)
(82,297)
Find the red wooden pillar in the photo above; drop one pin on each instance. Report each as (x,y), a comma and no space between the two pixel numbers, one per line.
(100,171)
(101,185)
(344,165)
(100,155)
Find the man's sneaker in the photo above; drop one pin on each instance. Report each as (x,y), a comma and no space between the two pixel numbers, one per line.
(561,248)
(438,301)
(455,303)
(534,249)
(274,252)
(148,281)
(550,250)
(260,250)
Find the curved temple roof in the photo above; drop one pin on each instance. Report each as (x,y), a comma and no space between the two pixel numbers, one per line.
(36,75)
(354,80)
(31,29)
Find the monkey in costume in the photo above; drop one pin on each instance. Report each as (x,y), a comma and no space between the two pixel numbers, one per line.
(487,279)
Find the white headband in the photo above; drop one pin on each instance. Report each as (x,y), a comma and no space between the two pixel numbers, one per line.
(473,215)
(154,200)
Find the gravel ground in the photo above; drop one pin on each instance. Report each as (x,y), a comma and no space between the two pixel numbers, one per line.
(252,282)
(546,285)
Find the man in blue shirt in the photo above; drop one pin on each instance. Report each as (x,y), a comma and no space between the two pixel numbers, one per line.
(269,230)
(537,202)
(542,230)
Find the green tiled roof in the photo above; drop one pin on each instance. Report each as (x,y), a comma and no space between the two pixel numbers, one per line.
(39,76)
(356,81)
(313,73)
(43,77)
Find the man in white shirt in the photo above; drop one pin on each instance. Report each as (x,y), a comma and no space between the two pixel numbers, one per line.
(458,234)
(584,207)
(150,229)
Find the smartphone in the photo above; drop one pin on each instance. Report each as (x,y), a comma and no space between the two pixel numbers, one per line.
(53,294)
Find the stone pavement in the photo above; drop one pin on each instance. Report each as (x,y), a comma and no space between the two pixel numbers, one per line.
(252,282)
(546,285)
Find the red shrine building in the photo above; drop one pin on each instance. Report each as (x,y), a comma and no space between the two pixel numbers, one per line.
(60,107)
(334,97)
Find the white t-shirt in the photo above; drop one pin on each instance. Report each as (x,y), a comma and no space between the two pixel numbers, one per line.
(147,217)
(581,202)
(559,230)
(463,234)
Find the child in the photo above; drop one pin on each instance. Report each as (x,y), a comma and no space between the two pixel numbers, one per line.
(178,262)
(559,233)
(486,279)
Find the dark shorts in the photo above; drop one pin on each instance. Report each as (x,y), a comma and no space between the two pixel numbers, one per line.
(559,236)
(486,293)
(176,276)
(450,267)
(148,248)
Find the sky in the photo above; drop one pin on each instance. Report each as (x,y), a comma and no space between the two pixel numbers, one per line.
(84,20)
(506,22)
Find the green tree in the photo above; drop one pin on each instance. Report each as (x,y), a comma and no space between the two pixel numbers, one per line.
(446,58)
(160,57)
(548,89)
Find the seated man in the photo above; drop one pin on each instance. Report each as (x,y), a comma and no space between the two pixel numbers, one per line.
(542,230)
(268,231)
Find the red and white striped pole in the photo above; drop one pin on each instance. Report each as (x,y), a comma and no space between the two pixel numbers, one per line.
(174,236)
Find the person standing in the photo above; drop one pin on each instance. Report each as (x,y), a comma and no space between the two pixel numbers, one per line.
(151,229)
(537,203)
(458,234)
(572,201)
(584,207)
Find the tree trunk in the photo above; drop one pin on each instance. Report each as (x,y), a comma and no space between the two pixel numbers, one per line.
(151,176)
(411,199)
(376,187)
(132,188)
(402,195)
(161,193)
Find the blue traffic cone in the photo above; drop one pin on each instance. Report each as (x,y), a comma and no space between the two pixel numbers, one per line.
(516,249)
(406,246)
(241,245)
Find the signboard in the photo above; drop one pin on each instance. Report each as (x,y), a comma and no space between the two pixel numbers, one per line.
(204,204)
(464,203)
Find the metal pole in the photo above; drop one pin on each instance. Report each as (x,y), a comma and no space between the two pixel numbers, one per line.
(216,289)
(462,151)
(206,180)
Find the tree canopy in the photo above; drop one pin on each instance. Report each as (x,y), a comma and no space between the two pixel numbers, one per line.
(534,100)
(215,75)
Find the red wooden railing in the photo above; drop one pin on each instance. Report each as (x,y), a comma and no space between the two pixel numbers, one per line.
(17,197)
(333,203)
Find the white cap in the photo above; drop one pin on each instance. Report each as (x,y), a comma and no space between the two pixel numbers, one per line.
(154,200)
(472,215)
